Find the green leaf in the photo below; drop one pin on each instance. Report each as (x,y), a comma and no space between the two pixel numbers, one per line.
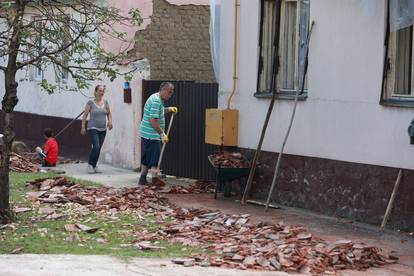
(136,18)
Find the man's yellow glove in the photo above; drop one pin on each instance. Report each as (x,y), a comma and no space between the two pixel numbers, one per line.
(173,109)
(164,138)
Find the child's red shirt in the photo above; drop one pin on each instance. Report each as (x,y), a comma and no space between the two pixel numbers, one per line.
(51,150)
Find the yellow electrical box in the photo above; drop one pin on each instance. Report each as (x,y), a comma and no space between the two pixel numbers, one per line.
(222,126)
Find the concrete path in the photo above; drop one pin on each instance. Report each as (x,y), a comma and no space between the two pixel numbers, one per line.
(69,265)
(111,176)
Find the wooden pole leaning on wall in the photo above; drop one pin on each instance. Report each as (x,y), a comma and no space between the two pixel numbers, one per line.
(292,117)
(275,69)
(391,201)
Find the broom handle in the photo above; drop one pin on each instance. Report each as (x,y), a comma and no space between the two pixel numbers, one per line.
(71,122)
(163,145)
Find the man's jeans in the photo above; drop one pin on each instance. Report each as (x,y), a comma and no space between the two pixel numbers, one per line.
(96,139)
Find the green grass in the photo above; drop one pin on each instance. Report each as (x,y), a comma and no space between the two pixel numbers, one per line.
(84,183)
(49,237)
(18,187)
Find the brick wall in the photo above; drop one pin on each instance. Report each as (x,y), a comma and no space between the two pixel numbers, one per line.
(177,43)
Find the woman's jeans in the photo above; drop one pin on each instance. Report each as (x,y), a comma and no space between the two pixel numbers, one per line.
(96,139)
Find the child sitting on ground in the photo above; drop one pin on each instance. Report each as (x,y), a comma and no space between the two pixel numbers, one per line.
(50,153)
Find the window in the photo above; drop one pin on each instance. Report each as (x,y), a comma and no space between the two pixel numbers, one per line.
(37,41)
(293,27)
(62,73)
(399,82)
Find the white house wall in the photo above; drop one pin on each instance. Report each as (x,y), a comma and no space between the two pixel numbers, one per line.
(32,99)
(341,119)
(122,144)
(121,147)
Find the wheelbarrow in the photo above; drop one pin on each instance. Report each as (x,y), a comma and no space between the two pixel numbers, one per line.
(225,175)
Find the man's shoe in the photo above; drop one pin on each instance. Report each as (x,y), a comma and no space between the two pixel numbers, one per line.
(91,169)
(97,170)
(143,180)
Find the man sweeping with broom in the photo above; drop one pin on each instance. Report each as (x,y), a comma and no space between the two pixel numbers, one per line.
(152,130)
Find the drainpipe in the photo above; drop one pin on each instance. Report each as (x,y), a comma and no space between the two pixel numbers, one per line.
(225,133)
(235,55)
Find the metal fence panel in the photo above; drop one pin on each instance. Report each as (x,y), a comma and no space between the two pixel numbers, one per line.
(186,153)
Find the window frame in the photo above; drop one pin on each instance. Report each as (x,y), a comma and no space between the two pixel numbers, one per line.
(392,72)
(282,92)
(37,42)
(62,74)
(388,89)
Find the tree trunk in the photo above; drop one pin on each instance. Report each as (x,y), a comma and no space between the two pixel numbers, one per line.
(8,103)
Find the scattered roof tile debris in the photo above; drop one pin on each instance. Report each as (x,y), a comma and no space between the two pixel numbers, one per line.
(231,240)
(228,159)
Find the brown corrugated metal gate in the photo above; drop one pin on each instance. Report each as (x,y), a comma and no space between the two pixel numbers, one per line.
(186,153)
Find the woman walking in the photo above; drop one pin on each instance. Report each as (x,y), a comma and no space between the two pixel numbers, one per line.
(99,120)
